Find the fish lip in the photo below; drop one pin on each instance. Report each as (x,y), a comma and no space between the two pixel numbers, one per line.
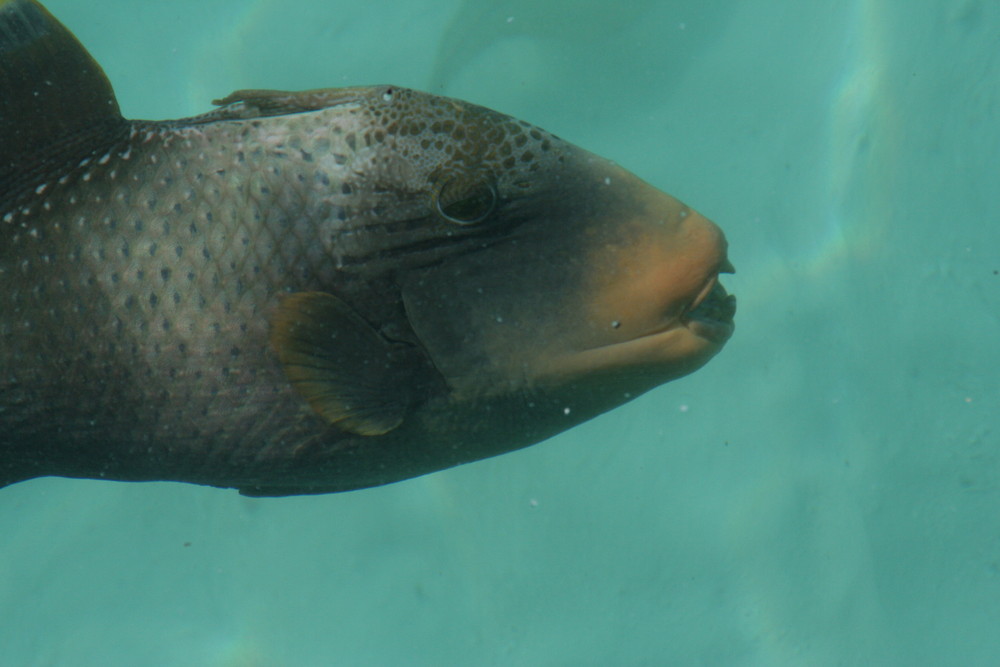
(708,316)
(711,313)
(723,266)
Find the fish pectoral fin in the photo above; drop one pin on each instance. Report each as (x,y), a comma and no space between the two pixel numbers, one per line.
(348,373)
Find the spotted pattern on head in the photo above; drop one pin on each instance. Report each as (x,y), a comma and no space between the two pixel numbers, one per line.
(443,138)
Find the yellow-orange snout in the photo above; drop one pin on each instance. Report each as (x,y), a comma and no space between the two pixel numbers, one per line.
(656,303)
(666,275)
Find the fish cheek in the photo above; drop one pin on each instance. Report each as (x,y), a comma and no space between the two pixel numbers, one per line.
(487,319)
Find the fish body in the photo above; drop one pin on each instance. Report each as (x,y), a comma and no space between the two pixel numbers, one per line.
(317,291)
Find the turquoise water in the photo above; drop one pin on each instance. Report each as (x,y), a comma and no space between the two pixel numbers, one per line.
(825,492)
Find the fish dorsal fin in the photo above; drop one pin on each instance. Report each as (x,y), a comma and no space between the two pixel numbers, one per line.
(56,104)
(244,104)
(348,373)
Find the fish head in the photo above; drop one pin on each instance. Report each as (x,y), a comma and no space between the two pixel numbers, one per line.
(545,269)
(535,284)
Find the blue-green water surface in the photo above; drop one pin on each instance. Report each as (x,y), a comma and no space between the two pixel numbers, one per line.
(825,492)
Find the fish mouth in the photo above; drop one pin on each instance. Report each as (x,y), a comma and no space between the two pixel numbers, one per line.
(710,314)
(685,341)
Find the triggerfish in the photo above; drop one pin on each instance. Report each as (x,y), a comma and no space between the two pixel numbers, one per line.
(308,292)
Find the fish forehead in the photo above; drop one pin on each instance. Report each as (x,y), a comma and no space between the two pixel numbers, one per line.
(434,134)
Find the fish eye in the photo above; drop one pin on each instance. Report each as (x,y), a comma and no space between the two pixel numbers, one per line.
(466,200)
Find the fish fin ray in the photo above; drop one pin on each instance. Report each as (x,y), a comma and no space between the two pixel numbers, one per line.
(348,373)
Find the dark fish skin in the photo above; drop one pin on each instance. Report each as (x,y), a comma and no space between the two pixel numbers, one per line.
(147,327)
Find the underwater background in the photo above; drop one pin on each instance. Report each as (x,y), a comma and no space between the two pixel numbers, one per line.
(825,492)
